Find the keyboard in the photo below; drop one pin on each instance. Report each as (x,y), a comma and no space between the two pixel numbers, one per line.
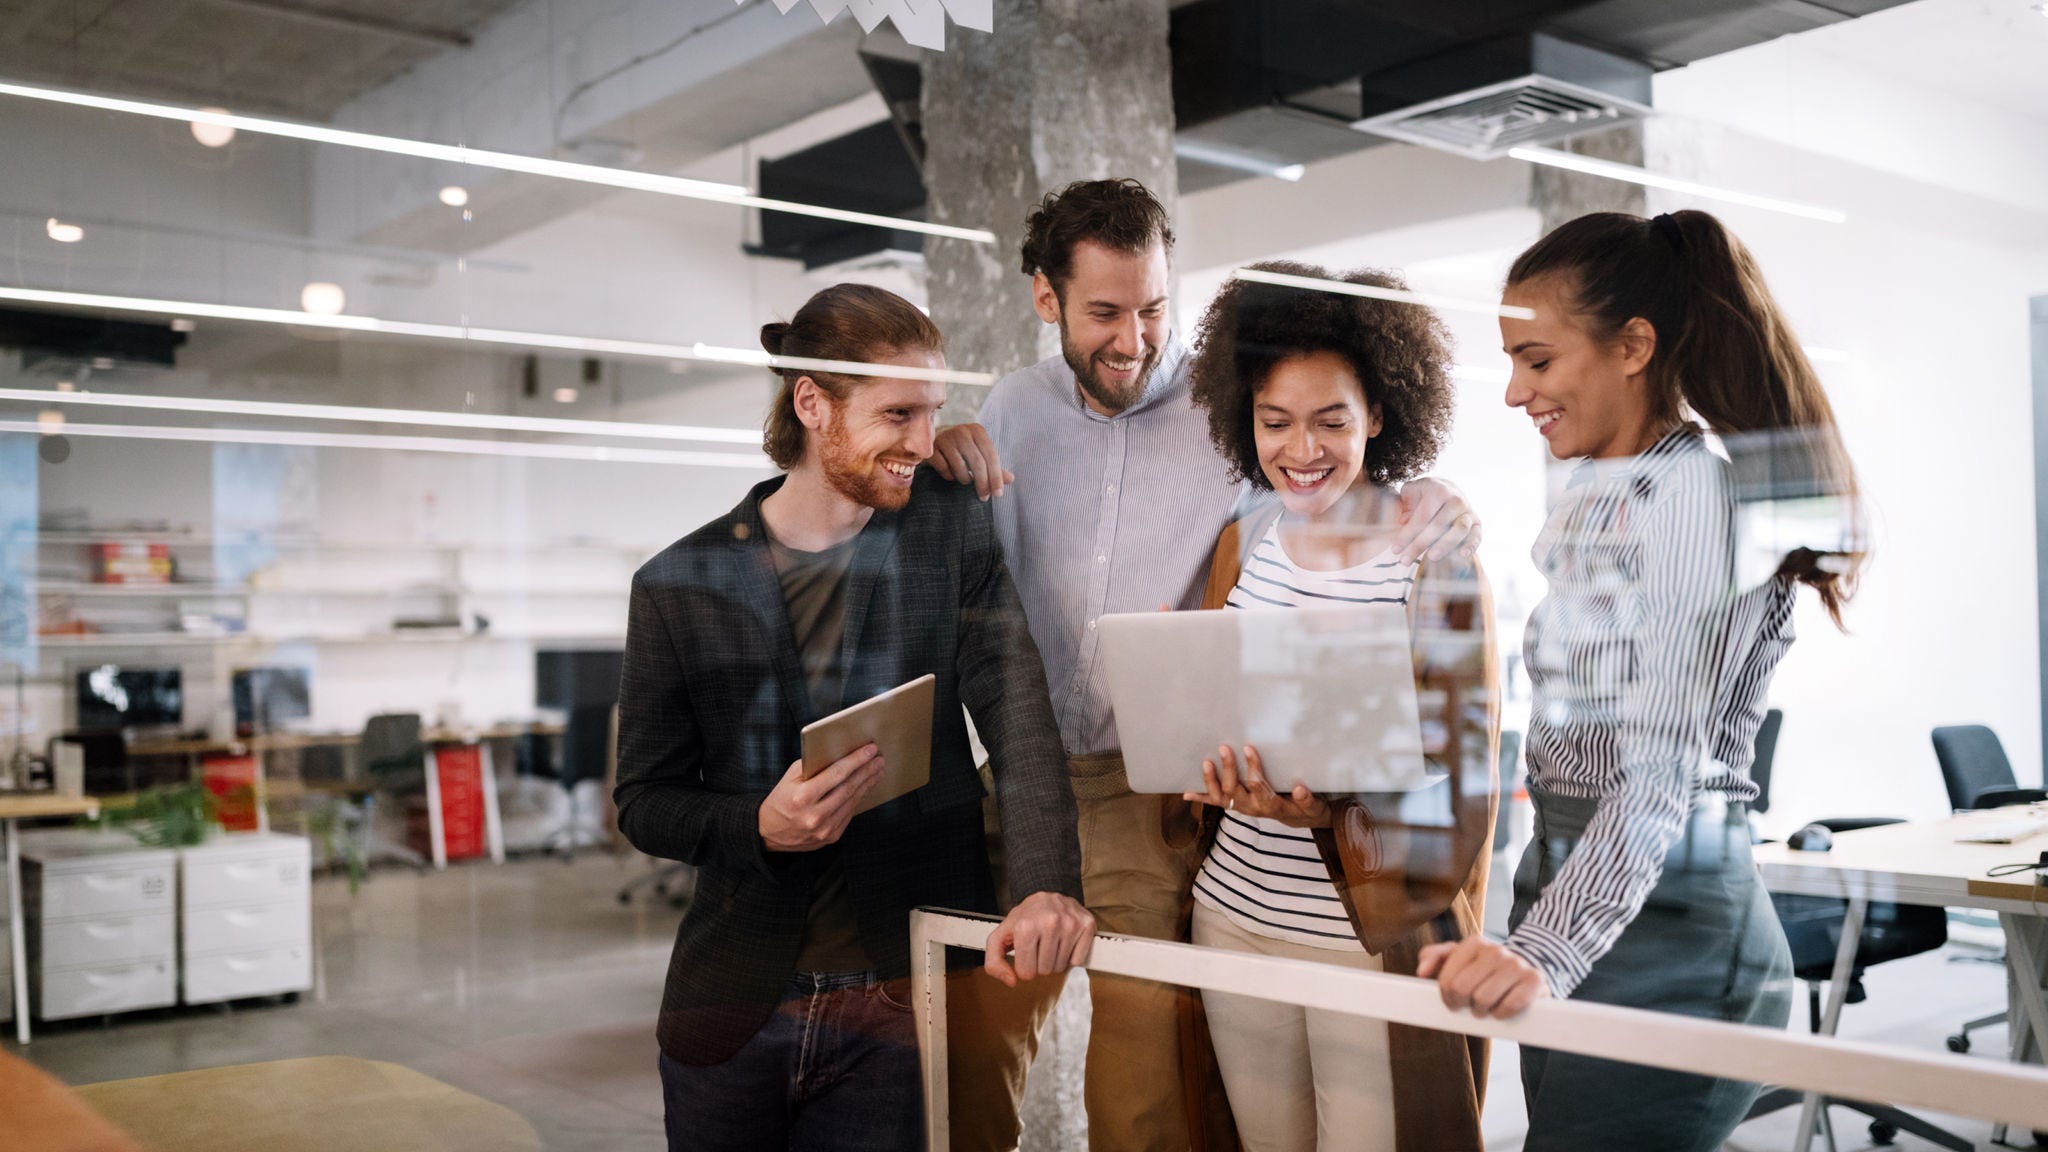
(2004,829)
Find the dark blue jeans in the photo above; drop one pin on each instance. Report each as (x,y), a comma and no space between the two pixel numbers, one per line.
(834,1068)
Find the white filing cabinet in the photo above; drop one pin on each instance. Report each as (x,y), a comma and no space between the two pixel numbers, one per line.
(246,917)
(102,924)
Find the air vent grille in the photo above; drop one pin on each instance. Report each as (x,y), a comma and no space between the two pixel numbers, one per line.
(1484,123)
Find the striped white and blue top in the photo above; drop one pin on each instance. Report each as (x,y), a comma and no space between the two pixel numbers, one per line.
(1648,669)
(1266,877)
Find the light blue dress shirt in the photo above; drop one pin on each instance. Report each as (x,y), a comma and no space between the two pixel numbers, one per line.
(1108,514)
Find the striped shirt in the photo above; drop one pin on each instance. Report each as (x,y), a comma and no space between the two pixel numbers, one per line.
(1264,876)
(1648,669)
(1109,514)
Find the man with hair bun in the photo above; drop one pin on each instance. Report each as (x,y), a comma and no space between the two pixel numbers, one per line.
(786,1019)
(1119,498)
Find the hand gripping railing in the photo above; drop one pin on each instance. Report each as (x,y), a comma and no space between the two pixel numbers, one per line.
(1848,1069)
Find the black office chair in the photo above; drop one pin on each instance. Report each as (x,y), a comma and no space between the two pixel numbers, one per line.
(1813,927)
(1766,754)
(1510,780)
(586,751)
(1974,767)
(1977,774)
(395,760)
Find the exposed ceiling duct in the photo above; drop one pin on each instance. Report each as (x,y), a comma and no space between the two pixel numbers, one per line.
(1262,89)
(1293,83)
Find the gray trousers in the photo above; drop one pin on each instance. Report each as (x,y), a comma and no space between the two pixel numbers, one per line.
(1707,943)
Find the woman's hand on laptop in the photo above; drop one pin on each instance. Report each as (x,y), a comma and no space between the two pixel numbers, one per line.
(1046,933)
(1251,795)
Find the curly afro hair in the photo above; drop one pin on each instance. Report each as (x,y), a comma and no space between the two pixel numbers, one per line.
(1401,353)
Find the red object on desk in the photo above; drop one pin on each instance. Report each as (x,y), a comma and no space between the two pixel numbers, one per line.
(132,563)
(459,769)
(232,780)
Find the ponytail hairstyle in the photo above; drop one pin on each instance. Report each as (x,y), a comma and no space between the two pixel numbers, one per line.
(1724,352)
(856,322)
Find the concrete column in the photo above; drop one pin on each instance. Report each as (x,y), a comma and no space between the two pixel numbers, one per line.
(1560,195)
(1063,90)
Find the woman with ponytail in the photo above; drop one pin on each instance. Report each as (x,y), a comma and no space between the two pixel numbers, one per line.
(1649,661)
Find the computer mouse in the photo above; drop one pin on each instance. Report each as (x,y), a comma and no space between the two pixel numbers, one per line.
(1812,838)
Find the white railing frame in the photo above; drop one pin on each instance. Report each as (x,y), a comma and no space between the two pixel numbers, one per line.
(1848,1069)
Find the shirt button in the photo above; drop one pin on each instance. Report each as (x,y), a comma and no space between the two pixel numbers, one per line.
(1091,625)
(1111,489)
(1101,559)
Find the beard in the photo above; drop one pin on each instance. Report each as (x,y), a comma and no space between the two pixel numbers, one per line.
(853,474)
(1113,396)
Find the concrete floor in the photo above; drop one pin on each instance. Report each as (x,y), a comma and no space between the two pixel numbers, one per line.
(531,986)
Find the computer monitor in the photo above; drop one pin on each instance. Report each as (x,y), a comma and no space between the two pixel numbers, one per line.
(576,679)
(111,696)
(266,697)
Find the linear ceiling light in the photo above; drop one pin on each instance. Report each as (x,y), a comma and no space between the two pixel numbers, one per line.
(843,367)
(1241,161)
(418,417)
(444,444)
(1573,162)
(1375,292)
(483,158)
(544,340)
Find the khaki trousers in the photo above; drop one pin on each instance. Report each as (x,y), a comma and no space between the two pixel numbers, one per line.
(1135,885)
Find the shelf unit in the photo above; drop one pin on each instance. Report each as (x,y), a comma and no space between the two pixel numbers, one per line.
(452,573)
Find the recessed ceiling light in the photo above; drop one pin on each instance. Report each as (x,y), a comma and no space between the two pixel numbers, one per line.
(184,324)
(565,395)
(323,298)
(212,133)
(50,421)
(455,196)
(64,233)
(65,386)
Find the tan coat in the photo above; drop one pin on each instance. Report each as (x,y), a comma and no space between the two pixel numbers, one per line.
(1405,886)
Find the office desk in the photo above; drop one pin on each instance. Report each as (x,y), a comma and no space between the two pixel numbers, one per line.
(1921,863)
(15,807)
(193,749)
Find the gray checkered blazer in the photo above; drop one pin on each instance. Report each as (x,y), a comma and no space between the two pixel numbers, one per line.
(710,706)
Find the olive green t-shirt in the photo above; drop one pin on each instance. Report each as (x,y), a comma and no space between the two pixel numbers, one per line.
(814,591)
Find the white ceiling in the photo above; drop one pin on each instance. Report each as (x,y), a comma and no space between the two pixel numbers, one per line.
(1994,52)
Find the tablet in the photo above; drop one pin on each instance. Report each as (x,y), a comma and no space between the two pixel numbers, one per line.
(1327,696)
(899,722)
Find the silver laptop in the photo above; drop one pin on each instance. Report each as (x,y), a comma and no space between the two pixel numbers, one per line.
(1326,695)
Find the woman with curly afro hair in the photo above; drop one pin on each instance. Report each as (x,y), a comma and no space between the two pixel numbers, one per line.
(1329,401)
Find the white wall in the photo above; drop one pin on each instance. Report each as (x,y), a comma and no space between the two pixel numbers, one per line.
(1927,289)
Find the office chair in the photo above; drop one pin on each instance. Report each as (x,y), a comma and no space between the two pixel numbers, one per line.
(1510,780)
(395,760)
(1974,767)
(586,747)
(1813,927)
(1978,775)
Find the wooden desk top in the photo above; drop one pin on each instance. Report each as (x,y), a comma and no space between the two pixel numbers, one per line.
(22,805)
(1913,863)
(285,741)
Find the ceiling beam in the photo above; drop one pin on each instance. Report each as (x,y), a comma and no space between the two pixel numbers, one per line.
(349,21)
